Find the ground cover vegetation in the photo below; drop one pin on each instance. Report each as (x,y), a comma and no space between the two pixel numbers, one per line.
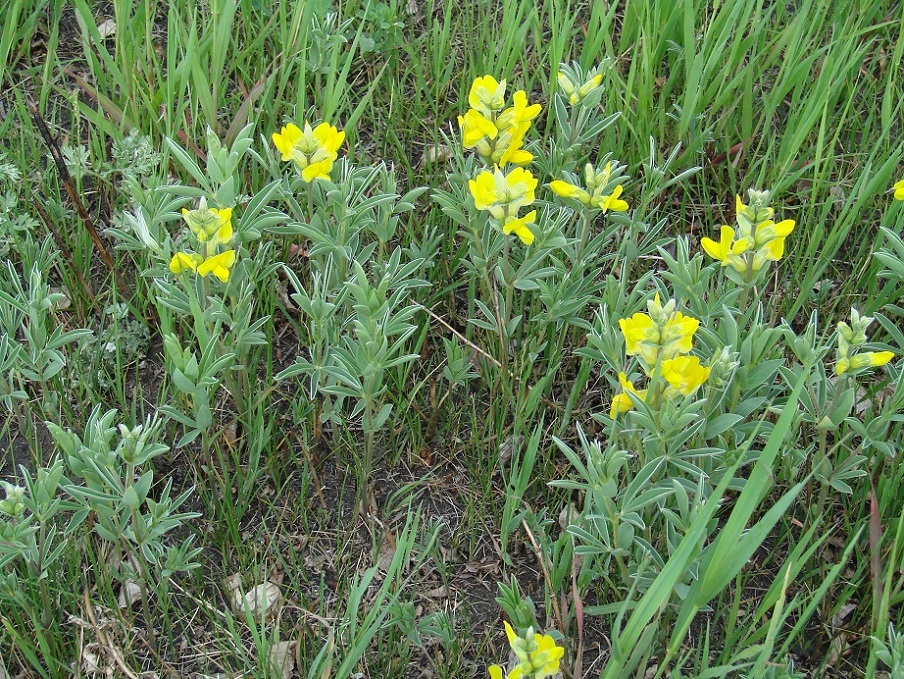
(475,339)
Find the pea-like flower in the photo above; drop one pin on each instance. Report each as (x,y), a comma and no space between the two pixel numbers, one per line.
(899,190)
(474,127)
(622,402)
(848,358)
(602,192)
(495,132)
(312,150)
(213,229)
(641,337)
(684,375)
(209,224)
(538,655)
(503,195)
(520,227)
(218,265)
(757,240)
(653,341)
(863,360)
(661,339)
(185,261)
(487,95)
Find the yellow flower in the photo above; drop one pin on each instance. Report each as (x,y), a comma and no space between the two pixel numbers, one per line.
(487,95)
(474,127)
(483,189)
(678,334)
(871,359)
(590,85)
(769,230)
(520,227)
(593,196)
(218,265)
(185,261)
(566,190)
(727,250)
(671,334)
(313,150)
(546,659)
(867,359)
(508,148)
(899,190)
(767,240)
(684,375)
(510,632)
(503,194)
(539,655)
(622,402)
(221,237)
(495,672)
(205,222)
(612,201)
(497,134)
(520,113)
(641,337)
(720,250)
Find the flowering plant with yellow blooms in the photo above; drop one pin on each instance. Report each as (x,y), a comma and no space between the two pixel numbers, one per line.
(756,241)
(661,341)
(495,131)
(538,655)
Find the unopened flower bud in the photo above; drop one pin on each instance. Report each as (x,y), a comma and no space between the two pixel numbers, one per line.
(12,506)
(590,85)
(659,313)
(568,87)
(722,367)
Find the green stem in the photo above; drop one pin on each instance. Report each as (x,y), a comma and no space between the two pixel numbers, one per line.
(586,221)
(138,530)
(369,438)
(821,464)
(745,294)
(47,613)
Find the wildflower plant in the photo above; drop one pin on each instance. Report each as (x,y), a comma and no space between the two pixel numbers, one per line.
(849,359)
(530,274)
(537,654)
(28,310)
(747,250)
(116,478)
(354,306)
(543,328)
(203,289)
(313,150)
(661,340)
(494,131)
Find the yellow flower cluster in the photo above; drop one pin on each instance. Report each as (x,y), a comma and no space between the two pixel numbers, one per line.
(313,150)
(597,195)
(496,132)
(503,195)
(899,190)
(538,656)
(213,229)
(757,240)
(660,341)
(851,337)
